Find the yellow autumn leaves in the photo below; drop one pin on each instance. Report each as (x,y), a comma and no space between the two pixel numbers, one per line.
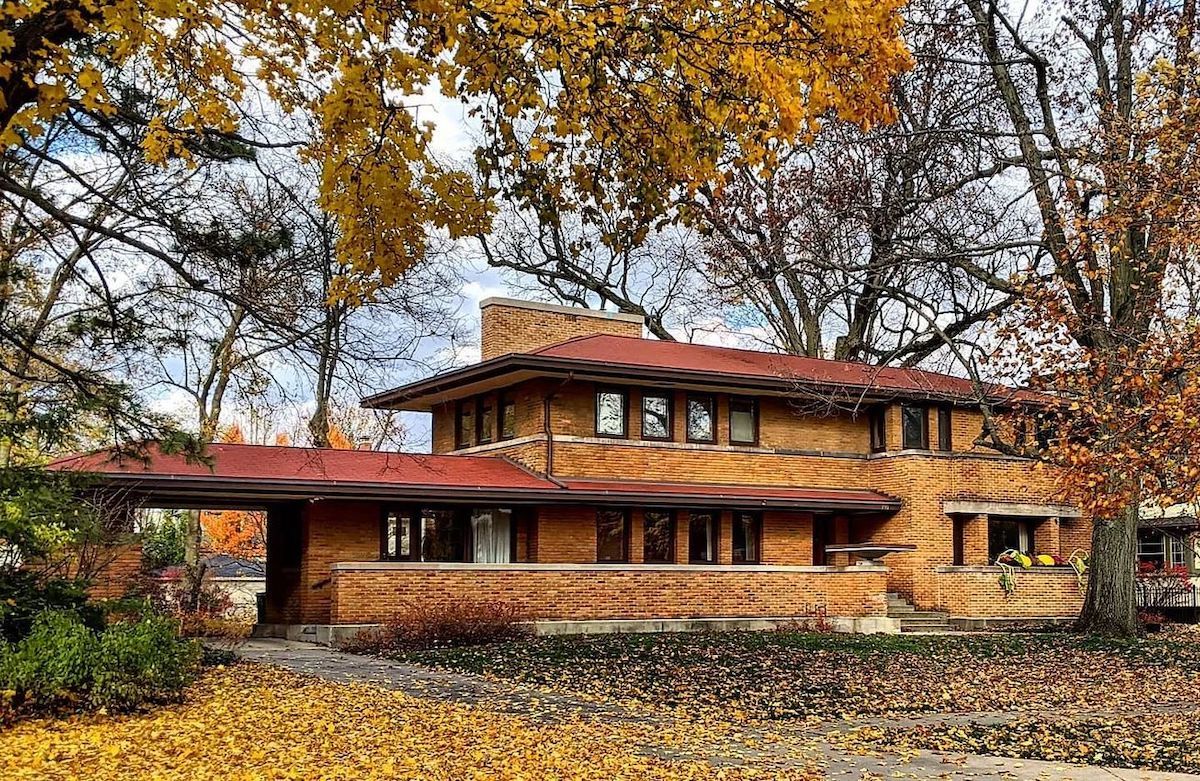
(613,105)
(259,722)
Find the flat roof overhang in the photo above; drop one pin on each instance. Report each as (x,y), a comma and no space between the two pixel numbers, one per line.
(423,395)
(233,493)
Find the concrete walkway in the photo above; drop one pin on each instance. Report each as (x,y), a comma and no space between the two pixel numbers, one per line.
(837,761)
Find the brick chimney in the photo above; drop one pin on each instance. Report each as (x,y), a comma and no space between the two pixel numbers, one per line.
(509,325)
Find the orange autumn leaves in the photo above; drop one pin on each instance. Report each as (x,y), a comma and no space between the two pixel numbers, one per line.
(610,105)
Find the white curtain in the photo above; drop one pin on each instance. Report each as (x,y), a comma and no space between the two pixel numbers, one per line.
(491,530)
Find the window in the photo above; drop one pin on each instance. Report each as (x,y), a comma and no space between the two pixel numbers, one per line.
(443,536)
(743,421)
(1007,534)
(485,421)
(508,416)
(877,421)
(611,419)
(701,419)
(612,535)
(747,538)
(658,537)
(945,429)
(702,537)
(464,423)
(491,535)
(1152,548)
(656,416)
(396,542)
(914,427)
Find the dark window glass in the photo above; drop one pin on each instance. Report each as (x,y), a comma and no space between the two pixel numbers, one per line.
(508,417)
(442,536)
(656,416)
(464,427)
(658,533)
(747,536)
(877,420)
(743,421)
(397,536)
(945,429)
(612,543)
(702,538)
(486,421)
(914,428)
(1006,534)
(610,413)
(701,419)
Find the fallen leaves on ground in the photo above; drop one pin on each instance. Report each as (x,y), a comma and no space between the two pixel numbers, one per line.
(253,721)
(1168,742)
(784,675)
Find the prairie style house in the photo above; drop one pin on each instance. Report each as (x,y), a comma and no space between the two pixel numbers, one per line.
(597,478)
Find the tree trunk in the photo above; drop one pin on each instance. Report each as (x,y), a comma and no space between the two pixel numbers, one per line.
(1109,609)
(192,539)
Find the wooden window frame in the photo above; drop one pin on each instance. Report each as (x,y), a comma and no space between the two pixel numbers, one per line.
(482,403)
(877,428)
(716,522)
(758,536)
(414,532)
(945,419)
(624,394)
(670,398)
(754,410)
(625,533)
(924,427)
(503,400)
(673,520)
(687,430)
(460,442)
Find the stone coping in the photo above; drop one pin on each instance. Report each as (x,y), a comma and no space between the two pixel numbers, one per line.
(1020,509)
(541,306)
(696,569)
(1063,569)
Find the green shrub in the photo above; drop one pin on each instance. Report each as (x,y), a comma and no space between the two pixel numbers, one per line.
(26,595)
(64,663)
(163,541)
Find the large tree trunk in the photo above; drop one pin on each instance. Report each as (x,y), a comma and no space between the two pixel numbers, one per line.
(1110,609)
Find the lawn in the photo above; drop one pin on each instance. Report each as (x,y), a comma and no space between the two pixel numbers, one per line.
(251,721)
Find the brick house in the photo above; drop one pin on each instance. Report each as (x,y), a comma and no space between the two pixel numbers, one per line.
(595,477)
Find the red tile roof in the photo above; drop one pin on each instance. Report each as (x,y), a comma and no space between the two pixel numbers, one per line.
(731,362)
(248,471)
(300,464)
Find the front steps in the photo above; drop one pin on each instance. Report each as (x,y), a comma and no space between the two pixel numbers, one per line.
(916,621)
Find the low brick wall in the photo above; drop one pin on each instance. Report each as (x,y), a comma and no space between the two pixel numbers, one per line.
(371,592)
(975,592)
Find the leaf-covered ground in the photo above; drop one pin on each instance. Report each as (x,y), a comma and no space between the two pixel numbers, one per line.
(252,721)
(780,675)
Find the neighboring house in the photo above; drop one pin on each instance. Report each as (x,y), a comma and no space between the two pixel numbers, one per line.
(239,579)
(590,475)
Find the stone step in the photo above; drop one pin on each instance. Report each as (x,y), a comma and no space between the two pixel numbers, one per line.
(924,630)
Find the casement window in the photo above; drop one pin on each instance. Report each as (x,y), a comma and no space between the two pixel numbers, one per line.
(464,423)
(508,416)
(914,427)
(443,535)
(743,421)
(396,537)
(747,538)
(612,407)
(1007,534)
(485,421)
(657,418)
(701,419)
(612,536)
(702,537)
(658,537)
(1153,548)
(945,428)
(877,422)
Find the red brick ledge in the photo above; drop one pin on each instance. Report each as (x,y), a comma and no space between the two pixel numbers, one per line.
(381,566)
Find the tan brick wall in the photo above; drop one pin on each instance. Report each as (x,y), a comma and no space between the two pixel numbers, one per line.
(373,596)
(333,531)
(506,328)
(975,592)
(116,570)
